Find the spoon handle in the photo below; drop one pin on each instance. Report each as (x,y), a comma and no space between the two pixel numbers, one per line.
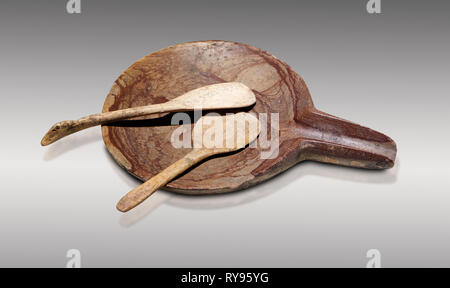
(143,191)
(64,128)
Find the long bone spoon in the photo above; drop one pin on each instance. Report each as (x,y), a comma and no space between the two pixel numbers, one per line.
(216,96)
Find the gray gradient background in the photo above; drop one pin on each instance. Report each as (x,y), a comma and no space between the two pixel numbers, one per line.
(389,72)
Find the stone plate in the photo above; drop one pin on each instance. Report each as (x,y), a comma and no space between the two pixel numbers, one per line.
(143,147)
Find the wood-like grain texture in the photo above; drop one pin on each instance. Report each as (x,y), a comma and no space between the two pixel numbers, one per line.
(143,147)
(216,96)
(205,145)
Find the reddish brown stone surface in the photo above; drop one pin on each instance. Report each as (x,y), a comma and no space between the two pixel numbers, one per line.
(143,146)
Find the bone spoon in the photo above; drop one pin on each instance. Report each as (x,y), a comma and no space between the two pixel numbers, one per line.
(247,129)
(216,96)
